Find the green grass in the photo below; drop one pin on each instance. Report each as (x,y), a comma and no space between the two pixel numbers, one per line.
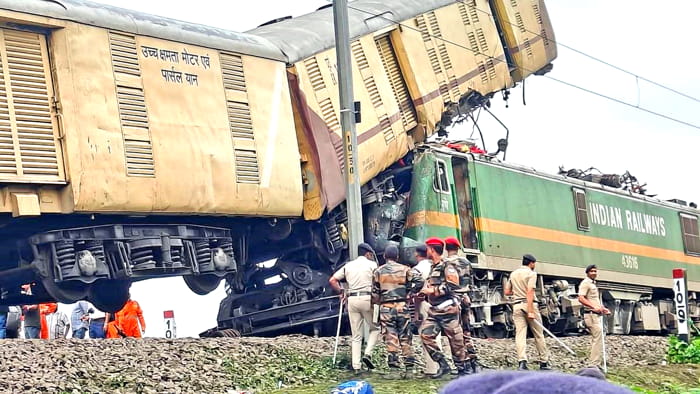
(385,384)
(303,374)
(664,379)
(673,379)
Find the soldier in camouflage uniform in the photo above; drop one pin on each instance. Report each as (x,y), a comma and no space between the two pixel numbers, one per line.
(391,287)
(465,282)
(444,311)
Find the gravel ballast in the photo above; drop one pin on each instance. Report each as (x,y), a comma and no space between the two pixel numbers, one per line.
(203,365)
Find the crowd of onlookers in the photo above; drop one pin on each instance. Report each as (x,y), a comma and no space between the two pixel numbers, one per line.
(46,321)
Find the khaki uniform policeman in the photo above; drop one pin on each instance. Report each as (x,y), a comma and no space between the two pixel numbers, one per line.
(443,315)
(521,286)
(391,286)
(358,274)
(465,281)
(590,298)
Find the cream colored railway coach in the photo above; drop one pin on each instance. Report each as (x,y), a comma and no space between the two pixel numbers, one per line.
(134,146)
(126,120)
(416,63)
(109,111)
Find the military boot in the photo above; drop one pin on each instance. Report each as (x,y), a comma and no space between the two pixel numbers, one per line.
(368,362)
(545,366)
(522,365)
(443,368)
(410,362)
(463,369)
(473,365)
(393,361)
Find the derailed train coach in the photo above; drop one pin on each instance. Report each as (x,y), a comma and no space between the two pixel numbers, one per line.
(416,65)
(134,146)
(500,211)
(127,142)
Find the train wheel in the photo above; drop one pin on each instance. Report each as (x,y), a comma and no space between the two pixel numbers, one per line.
(226,333)
(63,292)
(109,295)
(202,284)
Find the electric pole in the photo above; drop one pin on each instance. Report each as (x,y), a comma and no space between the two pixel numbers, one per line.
(347,123)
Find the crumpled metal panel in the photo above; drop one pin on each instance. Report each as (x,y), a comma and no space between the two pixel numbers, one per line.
(307,35)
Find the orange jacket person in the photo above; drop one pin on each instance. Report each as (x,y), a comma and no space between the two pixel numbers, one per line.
(125,323)
(110,328)
(45,309)
(130,319)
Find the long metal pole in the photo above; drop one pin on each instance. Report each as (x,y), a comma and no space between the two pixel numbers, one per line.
(605,357)
(337,331)
(347,123)
(553,336)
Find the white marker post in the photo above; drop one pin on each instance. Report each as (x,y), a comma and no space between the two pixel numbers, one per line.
(680,298)
(169,317)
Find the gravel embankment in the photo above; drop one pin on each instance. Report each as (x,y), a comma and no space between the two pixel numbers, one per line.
(199,365)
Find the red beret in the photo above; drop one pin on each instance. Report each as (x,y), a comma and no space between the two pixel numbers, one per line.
(452,241)
(434,241)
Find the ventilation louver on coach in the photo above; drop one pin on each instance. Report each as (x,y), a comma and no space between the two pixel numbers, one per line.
(245,153)
(29,149)
(133,115)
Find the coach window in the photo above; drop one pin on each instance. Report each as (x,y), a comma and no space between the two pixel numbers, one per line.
(691,237)
(441,184)
(581,209)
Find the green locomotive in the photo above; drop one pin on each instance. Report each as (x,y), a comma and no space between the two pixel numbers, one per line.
(501,211)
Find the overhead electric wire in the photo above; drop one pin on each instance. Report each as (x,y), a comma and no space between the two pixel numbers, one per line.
(403,25)
(626,103)
(589,56)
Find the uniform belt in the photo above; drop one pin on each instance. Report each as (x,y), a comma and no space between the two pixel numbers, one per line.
(591,313)
(359,293)
(394,301)
(522,302)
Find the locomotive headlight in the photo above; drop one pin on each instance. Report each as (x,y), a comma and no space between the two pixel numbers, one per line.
(221,260)
(86,263)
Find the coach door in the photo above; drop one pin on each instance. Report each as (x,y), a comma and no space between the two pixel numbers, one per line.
(463,201)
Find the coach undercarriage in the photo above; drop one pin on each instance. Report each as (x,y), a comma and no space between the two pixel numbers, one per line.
(99,263)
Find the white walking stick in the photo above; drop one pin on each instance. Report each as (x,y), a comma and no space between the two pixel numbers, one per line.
(553,336)
(337,332)
(605,358)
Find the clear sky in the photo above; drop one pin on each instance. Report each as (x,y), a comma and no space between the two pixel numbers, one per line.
(558,126)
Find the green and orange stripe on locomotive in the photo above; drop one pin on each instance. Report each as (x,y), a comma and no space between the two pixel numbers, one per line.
(500,211)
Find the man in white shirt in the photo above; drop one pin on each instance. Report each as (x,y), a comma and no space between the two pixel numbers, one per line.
(423,263)
(57,323)
(358,275)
